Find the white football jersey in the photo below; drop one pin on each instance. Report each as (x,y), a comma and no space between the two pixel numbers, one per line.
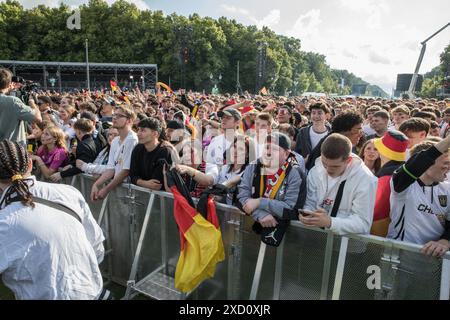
(418,213)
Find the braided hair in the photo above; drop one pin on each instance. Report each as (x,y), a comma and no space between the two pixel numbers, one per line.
(14,161)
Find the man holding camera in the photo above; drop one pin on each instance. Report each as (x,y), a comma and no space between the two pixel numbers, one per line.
(13,112)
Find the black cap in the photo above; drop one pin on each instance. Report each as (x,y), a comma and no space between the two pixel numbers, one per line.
(174,124)
(231,113)
(279,139)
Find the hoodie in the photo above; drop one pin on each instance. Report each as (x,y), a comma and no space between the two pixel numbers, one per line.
(355,211)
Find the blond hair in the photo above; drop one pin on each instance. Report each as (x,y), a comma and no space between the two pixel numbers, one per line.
(58,134)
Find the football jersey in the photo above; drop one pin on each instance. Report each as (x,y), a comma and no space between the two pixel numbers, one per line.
(419,212)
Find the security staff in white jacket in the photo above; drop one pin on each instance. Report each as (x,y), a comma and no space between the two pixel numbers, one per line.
(340,190)
(45,253)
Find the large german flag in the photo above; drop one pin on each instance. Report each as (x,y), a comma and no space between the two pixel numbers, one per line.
(201,246)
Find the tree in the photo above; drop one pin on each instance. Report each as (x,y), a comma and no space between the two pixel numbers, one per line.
(303,82)
(186,49)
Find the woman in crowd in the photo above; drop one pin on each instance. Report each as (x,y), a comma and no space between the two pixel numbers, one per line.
(67,115)
(52,154)
(370,156)
(238,156)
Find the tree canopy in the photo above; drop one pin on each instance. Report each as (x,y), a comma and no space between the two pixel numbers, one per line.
(434,79)
(190,51)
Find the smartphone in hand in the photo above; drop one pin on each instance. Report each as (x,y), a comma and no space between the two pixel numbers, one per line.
(305,213)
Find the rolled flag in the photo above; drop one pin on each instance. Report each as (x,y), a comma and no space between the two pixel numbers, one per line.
(165,86)
(201,246)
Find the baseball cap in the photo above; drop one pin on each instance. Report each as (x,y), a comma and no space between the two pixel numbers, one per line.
(174,124)
(231,113)
(279,139)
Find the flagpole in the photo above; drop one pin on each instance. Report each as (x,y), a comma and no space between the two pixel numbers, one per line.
(87,66)
(238,85)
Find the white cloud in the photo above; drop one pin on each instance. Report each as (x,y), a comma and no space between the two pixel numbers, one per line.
(306,25)
(270,20)
(233,9)
(348,54)
(410,45)
(373,9)
(378,58)
(31,3)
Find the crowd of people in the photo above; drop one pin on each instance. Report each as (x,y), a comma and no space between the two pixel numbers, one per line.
(351,165)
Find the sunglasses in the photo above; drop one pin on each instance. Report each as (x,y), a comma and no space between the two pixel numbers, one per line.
(117,116)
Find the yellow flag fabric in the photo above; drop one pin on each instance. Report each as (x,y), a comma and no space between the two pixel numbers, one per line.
(263,91)
(200,242)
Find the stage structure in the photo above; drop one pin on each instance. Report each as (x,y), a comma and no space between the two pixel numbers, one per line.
(67,76)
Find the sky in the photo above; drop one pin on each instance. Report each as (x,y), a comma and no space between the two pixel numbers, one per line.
(374,39)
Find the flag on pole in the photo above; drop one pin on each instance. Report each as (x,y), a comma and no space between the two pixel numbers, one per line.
(263,91)
(116,90)
(201,246)
(114,87)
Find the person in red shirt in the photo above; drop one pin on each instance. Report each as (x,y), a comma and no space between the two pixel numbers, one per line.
(392,149)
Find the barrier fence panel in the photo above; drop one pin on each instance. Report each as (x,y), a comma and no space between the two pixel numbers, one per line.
(159,248)
(125,208)
(309,264)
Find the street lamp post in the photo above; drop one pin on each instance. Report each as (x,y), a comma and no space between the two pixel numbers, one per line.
(87,66)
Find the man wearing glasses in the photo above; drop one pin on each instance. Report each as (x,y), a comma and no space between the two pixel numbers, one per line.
(119,155)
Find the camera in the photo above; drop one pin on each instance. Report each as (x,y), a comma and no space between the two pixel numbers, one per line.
(27,87)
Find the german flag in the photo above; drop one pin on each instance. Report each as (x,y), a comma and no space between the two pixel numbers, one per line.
(114,86)
(116,90)
(201,246)
(263,91)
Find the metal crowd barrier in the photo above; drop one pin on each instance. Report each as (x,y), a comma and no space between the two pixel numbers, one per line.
(142,242)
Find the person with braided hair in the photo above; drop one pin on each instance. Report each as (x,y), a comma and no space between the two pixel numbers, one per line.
(47,251)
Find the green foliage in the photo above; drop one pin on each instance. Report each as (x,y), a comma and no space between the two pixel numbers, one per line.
(121,33)
(433,80)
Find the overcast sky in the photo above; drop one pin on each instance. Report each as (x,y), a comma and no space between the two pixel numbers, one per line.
(374,39)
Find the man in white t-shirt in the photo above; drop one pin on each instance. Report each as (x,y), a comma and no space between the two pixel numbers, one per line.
(230,120)
(119,155)
(308,137)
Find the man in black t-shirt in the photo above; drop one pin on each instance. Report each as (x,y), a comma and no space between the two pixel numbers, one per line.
(147,159)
